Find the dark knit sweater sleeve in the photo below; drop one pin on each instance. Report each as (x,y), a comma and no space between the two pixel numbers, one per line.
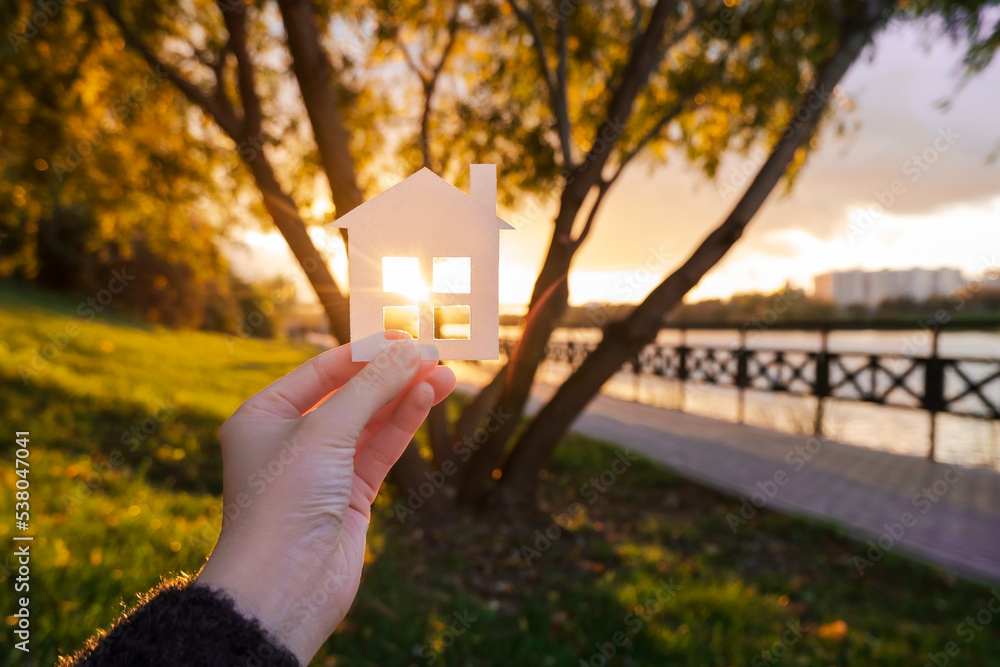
(183,624)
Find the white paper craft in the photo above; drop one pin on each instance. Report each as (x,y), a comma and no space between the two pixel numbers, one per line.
(425,257)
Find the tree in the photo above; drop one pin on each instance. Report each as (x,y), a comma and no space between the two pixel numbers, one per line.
(778,63)
(686,69)
(565,96)
(65,106)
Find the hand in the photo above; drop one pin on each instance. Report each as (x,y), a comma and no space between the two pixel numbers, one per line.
(302,463)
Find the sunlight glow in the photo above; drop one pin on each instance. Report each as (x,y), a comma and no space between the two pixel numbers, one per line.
(401,275)
(321,208)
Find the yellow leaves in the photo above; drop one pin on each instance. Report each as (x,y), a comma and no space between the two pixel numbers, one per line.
(96,556)
(106,222)
(835,631)
(167,453)
(92,84)
(843,100)
(62,554)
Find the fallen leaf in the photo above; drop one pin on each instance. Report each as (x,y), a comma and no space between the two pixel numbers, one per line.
(836,630)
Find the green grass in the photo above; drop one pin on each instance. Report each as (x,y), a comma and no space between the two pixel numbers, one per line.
(113,513)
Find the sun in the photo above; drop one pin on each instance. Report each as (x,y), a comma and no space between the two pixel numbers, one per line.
(401,275)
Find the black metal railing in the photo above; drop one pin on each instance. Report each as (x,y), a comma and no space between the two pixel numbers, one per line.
(968,386)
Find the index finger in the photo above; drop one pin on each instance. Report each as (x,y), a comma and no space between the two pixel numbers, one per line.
(299,391)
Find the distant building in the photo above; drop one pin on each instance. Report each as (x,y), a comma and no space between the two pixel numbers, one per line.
(870,288)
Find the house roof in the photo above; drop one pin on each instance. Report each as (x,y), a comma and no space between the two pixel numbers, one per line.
(421,188)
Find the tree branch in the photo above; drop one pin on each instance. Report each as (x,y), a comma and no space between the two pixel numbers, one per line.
(644,58)
(411,63)
(430,87)
(313,72)
(236,23)
(556,98)
(229,123)
(449,45)
(672,112)
(636,22)
(219,71)
(625,338)
(602,190)
(605,184)
(562,89)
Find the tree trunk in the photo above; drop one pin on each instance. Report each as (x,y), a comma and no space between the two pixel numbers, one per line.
(437,432)
(549,304)
(314,73)
(279,204)
(286,218)
(408,474)
(550,297)
(626,338)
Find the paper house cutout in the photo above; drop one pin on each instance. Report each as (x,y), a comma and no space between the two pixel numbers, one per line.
(425,257)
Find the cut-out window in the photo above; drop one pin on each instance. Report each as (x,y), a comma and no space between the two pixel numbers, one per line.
(402,318)
(401,275)
(452,275)
(452,323)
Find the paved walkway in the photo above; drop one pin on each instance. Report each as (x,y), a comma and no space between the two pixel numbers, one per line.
(953,513)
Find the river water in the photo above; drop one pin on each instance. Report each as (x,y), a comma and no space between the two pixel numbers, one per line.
(971,441)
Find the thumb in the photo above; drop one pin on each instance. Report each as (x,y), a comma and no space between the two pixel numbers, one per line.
(350,408)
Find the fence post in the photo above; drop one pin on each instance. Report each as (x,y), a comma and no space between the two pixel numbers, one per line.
(742,376)
(636,365)
(682,372)
(933,389)
(822,386)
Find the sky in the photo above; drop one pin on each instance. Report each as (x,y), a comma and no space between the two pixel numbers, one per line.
(842,212)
